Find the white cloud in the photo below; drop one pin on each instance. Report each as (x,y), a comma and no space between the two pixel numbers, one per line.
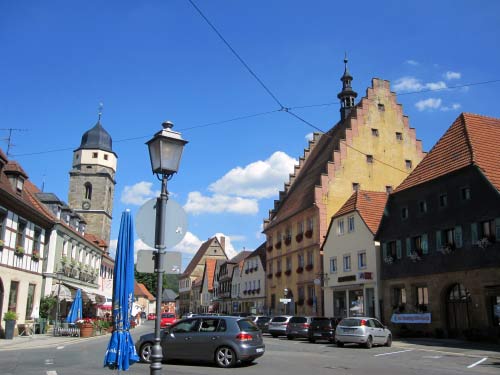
(309,137)
(430,104)
(452,75)
(139,193)
(197,204)
(189,244)
(237,237)
(260,179)
(412,62)
(229,248)
(407,84)
(452,107)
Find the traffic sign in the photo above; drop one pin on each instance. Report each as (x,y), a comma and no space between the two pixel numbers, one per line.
(171,261)
(285,300)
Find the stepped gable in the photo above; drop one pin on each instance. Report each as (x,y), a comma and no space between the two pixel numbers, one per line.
(471,140)
(369,204)
(326,154)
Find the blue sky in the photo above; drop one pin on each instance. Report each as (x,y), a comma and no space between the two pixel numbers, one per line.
(150,61)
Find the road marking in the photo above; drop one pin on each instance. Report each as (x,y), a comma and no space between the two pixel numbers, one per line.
(60,347)
(49,361)
(401,351)
(51,372)
(433,356)
(477,363)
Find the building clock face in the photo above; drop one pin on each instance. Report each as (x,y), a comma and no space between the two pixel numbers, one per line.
(86,205)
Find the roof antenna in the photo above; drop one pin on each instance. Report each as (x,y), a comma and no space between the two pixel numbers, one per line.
(100,112)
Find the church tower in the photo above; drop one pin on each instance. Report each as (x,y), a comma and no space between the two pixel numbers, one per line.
(347,95)
(92,181)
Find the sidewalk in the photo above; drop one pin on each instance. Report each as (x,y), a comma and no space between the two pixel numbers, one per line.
(45,340)
(461,347)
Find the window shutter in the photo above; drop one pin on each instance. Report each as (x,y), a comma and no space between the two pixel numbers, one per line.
(408,246)
(473,232)
(497,229)
(438,239)
(398,249)
(384,250)
(458,236)
(425,246)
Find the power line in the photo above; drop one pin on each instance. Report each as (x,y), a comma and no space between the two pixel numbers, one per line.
(236,54)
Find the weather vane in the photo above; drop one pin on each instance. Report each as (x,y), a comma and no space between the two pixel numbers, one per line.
(100,110)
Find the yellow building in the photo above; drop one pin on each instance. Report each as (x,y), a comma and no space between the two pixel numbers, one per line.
(372,148)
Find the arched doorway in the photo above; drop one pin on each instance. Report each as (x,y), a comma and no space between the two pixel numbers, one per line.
(457,310)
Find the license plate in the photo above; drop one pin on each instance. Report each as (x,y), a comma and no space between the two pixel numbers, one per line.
(259,350)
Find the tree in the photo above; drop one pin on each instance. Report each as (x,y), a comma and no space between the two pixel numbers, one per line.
(170,281)
(46,305)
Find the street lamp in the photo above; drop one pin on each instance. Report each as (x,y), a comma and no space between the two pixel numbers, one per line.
(165,151)
(58,310)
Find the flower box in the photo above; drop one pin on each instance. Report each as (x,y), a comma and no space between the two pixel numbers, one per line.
(35,255)
(278,274)
(310,301)
(270,276)
(270,248)
(299,237)
(278,245)
(19,251)
(288,272)
(308,233)
(309,267)
(414,256)
(388,260)
(300,269)
(288,240)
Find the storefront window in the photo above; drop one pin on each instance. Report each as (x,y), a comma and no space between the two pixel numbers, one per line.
(370,301)
(339,304)
(356,303)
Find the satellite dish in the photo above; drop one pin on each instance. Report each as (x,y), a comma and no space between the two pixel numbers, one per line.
(175,223)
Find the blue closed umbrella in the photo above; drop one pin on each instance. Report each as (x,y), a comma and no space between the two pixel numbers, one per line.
(75,311)
(121,351)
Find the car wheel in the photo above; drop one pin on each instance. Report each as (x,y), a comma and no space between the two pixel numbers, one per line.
(225,357)
(312,341)
(145,352)
(388,343)
(289,337)
(369,342)
(274,335)
(340,344)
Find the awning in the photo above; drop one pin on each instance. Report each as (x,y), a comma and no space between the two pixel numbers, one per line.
(92,294)
(62,292)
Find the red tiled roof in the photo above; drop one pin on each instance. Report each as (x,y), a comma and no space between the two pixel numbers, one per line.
(141,290)
(369,204)
(470,140)
(14,166)
(210,271)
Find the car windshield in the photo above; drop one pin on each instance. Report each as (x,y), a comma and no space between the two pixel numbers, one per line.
(263,319)
(320,319)
(247,325)
(168,315)
(279,319)
(350,323)
(298,319)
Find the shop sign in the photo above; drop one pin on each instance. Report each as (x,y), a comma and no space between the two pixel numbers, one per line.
(343,279)
(365,276)
(424,318)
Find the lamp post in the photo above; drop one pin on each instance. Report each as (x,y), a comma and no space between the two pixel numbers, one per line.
(165,151)
(58,310)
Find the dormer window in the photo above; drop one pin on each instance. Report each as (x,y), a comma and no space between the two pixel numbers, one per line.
(19,184)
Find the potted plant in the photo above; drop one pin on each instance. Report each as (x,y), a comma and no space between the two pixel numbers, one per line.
(299,237)
(1,245)
(19,250)
(270,248)
(278,245)
(10,318)
(300,269)
(35,255)
(288,272)
(309,267)
(309,233)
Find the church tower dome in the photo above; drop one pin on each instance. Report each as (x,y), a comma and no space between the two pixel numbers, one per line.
(92,180)
(347,95)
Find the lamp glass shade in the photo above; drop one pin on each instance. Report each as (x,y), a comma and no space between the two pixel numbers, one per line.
(165,153)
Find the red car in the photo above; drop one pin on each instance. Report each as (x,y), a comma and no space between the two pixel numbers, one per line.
(167,319)
(151,316)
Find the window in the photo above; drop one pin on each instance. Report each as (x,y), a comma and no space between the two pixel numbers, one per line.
(14,285)
(340,227)
(487,230)
(398,298)
(369,159)
(408,164)
(465,193)
(94,155)
(422,206)
(399,136)
(19,183)
(21,227)
(29,301)
(355,186)
(3,217)
(350,224)
(88,191)
(422,298)
(288,264)
(347,263)
(333,265)
(301,260)
(417,244)
(388,189)
(301,293)
(105,156)
(443,200)
(310,224)
(278,265)
(270,267)
(392,249)
(273,301)
(404,213)
(381,107)
(375,132)
(36,239)
(186,326)
(300,227)
(311,292)
(310,258)
(362,260)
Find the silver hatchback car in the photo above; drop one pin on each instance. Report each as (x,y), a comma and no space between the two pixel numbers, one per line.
(362,330)
(226,340)
(277,325)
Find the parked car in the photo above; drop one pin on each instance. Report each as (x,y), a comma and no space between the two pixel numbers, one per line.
(323,329)
(167,319)
(151,316)
(362,330)
(277,325)
(226,340)
(298,326)
(262,322)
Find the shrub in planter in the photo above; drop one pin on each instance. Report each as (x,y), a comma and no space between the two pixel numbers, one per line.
(288,272)
(309,233)
(278,245)
(270,248)
(288,240)
(299,237)
(309,267)
(270,276)
(300,269)
(10,318)
(19,250)
(278,274)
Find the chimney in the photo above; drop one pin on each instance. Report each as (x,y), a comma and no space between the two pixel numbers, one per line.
(223,242)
